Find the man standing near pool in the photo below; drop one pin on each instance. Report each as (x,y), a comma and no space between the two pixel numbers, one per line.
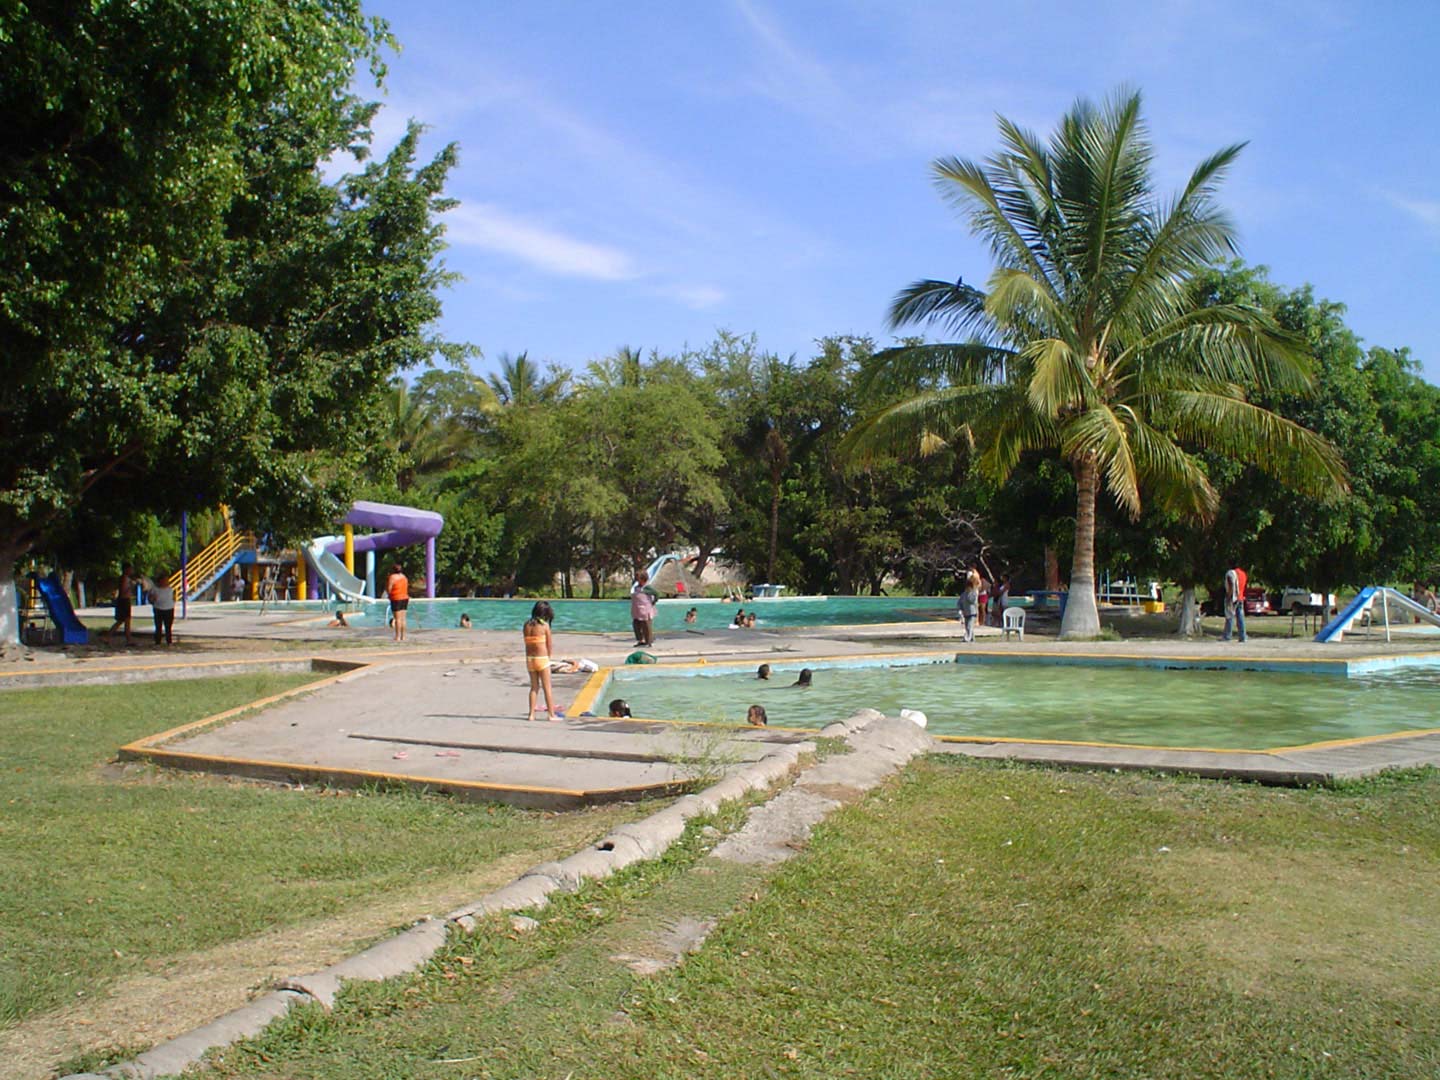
(1235,581)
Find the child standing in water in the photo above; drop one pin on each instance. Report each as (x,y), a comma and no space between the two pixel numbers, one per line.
(537,658)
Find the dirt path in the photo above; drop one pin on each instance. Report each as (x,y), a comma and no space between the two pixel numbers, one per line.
(182,992)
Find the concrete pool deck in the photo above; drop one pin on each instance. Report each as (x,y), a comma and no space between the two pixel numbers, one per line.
(446,709)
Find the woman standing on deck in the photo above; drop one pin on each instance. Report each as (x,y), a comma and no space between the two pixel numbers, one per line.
(537,658)
(970,602)
(398,589)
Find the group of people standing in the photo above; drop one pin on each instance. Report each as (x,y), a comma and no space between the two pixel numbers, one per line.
(162,605)
(974,601)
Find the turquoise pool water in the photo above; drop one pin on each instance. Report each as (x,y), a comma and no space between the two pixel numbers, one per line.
(711,616)
(1135,706)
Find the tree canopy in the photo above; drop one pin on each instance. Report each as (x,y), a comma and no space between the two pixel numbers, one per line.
(189,311)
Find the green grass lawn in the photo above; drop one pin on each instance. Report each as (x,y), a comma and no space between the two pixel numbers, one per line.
(967,920)
(108,868)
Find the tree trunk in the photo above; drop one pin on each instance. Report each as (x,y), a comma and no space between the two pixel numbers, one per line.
(1082,616)
(1052,569)
(9,612)
(9,599)
(1189,625)
(774,527)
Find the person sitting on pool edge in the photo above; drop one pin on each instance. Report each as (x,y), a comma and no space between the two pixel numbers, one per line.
(763,672)
(804,679)
(464,620)
(339,619)
(756,716)
(620,708)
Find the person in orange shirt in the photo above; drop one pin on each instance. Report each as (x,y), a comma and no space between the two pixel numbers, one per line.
(398,589)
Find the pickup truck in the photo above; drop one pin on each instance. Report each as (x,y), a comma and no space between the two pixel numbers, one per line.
(1293,600)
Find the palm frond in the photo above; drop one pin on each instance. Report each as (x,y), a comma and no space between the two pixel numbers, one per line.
(1294,455)
(906,427)
(1173,477)
(1009,431)
(1102,433)
(1021,306)
(1058,380)
(966,186)
(910,367)
(1223,343)
(957,307)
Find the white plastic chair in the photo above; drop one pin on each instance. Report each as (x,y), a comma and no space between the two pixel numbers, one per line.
(1014,622)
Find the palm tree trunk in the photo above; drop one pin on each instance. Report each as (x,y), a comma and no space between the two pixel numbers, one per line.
(774,526)
(1082,617)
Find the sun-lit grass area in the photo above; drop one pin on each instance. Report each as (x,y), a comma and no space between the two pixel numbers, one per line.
(109,869)
(967,920)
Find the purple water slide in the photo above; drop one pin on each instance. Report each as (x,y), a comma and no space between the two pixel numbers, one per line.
(401,525)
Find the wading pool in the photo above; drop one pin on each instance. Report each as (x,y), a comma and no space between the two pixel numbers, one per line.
(1134,706)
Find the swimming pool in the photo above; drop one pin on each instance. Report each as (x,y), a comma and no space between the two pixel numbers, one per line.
(712,616)
(1135,706)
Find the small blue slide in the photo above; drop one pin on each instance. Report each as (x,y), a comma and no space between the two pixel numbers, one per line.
(72,630)
(1335,629)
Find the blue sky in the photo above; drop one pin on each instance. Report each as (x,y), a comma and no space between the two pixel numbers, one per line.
(646,173)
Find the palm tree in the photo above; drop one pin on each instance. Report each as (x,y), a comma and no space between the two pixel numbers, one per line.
(423,442)
(1089,339)
(625,368)
(519,382)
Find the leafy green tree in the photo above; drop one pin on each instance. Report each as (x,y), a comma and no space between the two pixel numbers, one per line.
(1090,340)
(189,313)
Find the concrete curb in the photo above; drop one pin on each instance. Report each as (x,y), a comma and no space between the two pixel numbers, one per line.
(648,838)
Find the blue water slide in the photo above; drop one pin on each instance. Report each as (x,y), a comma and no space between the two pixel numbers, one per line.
(1365,601)
(62,614)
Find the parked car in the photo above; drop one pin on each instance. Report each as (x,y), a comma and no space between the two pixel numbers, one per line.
(1293,600)
(1256,602)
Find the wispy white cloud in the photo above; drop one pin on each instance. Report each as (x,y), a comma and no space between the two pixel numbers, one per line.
(1425,211)
(788,74)
(486,226)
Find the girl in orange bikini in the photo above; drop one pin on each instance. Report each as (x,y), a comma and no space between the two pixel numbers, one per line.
(537,658)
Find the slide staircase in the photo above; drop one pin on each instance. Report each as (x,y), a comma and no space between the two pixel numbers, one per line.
(62,613)
(215,560)
(1365,601)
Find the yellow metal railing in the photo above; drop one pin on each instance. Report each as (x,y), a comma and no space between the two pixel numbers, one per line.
(215,555)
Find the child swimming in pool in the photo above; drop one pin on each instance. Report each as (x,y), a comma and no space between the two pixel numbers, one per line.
(804,679)
(763,671)
(537,658)
(756,716)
